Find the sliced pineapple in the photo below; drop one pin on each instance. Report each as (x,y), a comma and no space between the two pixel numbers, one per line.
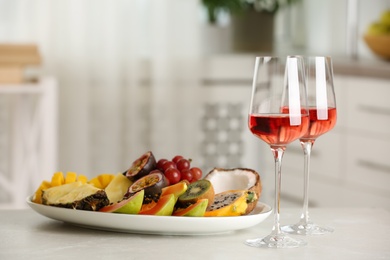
(52,195)
(117,188)
(83,197)
(58,179)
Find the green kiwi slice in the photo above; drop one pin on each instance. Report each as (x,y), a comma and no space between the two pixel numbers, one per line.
(201,189)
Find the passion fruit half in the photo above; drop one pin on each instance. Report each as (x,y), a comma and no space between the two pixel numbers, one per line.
(141,167)
(152,184)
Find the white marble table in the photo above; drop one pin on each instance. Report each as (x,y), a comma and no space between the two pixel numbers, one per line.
(360,233)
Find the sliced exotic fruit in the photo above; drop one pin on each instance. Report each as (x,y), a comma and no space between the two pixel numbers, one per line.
(82,178)
(148,206)
(52,195)
(131,205)
(117,188)
(197,209)
(153,183)
(37,198)
(175,189)
(142,166)
(70,177)
(163,207)
(57,179)
(230,203)
(201,189)
(236,179)
(102,180)
(84,197)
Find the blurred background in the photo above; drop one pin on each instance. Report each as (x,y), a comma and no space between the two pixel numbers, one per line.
(89,86)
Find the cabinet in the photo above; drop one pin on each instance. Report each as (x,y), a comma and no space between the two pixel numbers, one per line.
(349,165)
(29,134)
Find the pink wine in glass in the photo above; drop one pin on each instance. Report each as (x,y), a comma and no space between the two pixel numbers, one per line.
(318,127)
(323,117)
(275,129)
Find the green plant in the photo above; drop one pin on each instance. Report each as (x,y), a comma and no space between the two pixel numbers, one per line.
(213,7)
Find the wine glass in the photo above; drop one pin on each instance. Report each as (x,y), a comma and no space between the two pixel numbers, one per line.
(278,115)
(323,116)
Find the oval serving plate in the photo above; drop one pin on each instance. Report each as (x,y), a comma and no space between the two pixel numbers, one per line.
(158,225)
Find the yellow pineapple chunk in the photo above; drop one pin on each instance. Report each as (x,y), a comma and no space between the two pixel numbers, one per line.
(37,198)
(82,178)
(57,179)
(70,177)
(95,182)
(105,179)
(102,180)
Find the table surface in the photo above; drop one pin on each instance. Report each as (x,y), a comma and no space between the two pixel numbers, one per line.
(360,233)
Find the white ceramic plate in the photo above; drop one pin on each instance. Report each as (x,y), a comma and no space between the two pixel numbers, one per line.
(159,225)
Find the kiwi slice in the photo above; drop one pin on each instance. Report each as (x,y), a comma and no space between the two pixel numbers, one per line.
(201,189)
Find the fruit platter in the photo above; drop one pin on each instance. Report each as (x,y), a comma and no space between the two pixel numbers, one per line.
(155,197)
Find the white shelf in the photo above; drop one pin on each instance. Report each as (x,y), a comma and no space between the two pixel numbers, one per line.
(32,138)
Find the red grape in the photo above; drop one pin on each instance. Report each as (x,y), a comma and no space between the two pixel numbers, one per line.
(196,173)
(173,175)
(167,165)
(186,175)
(160,163)
(177,158)
(183,164)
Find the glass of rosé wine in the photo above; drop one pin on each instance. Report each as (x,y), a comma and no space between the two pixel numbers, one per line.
(278,115)
(323,116)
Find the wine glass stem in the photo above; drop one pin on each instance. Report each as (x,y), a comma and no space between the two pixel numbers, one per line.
(307,146)
(278,155)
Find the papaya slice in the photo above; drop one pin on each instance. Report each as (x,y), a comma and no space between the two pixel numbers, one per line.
(131,205)
(195,210)
(148,206)
(163,207)
(177,189)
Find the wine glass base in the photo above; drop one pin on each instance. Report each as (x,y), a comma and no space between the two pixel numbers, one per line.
(276,241)
(306,229)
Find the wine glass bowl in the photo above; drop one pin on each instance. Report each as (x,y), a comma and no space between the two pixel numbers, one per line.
(278,115)
(321,96)
(323,117)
